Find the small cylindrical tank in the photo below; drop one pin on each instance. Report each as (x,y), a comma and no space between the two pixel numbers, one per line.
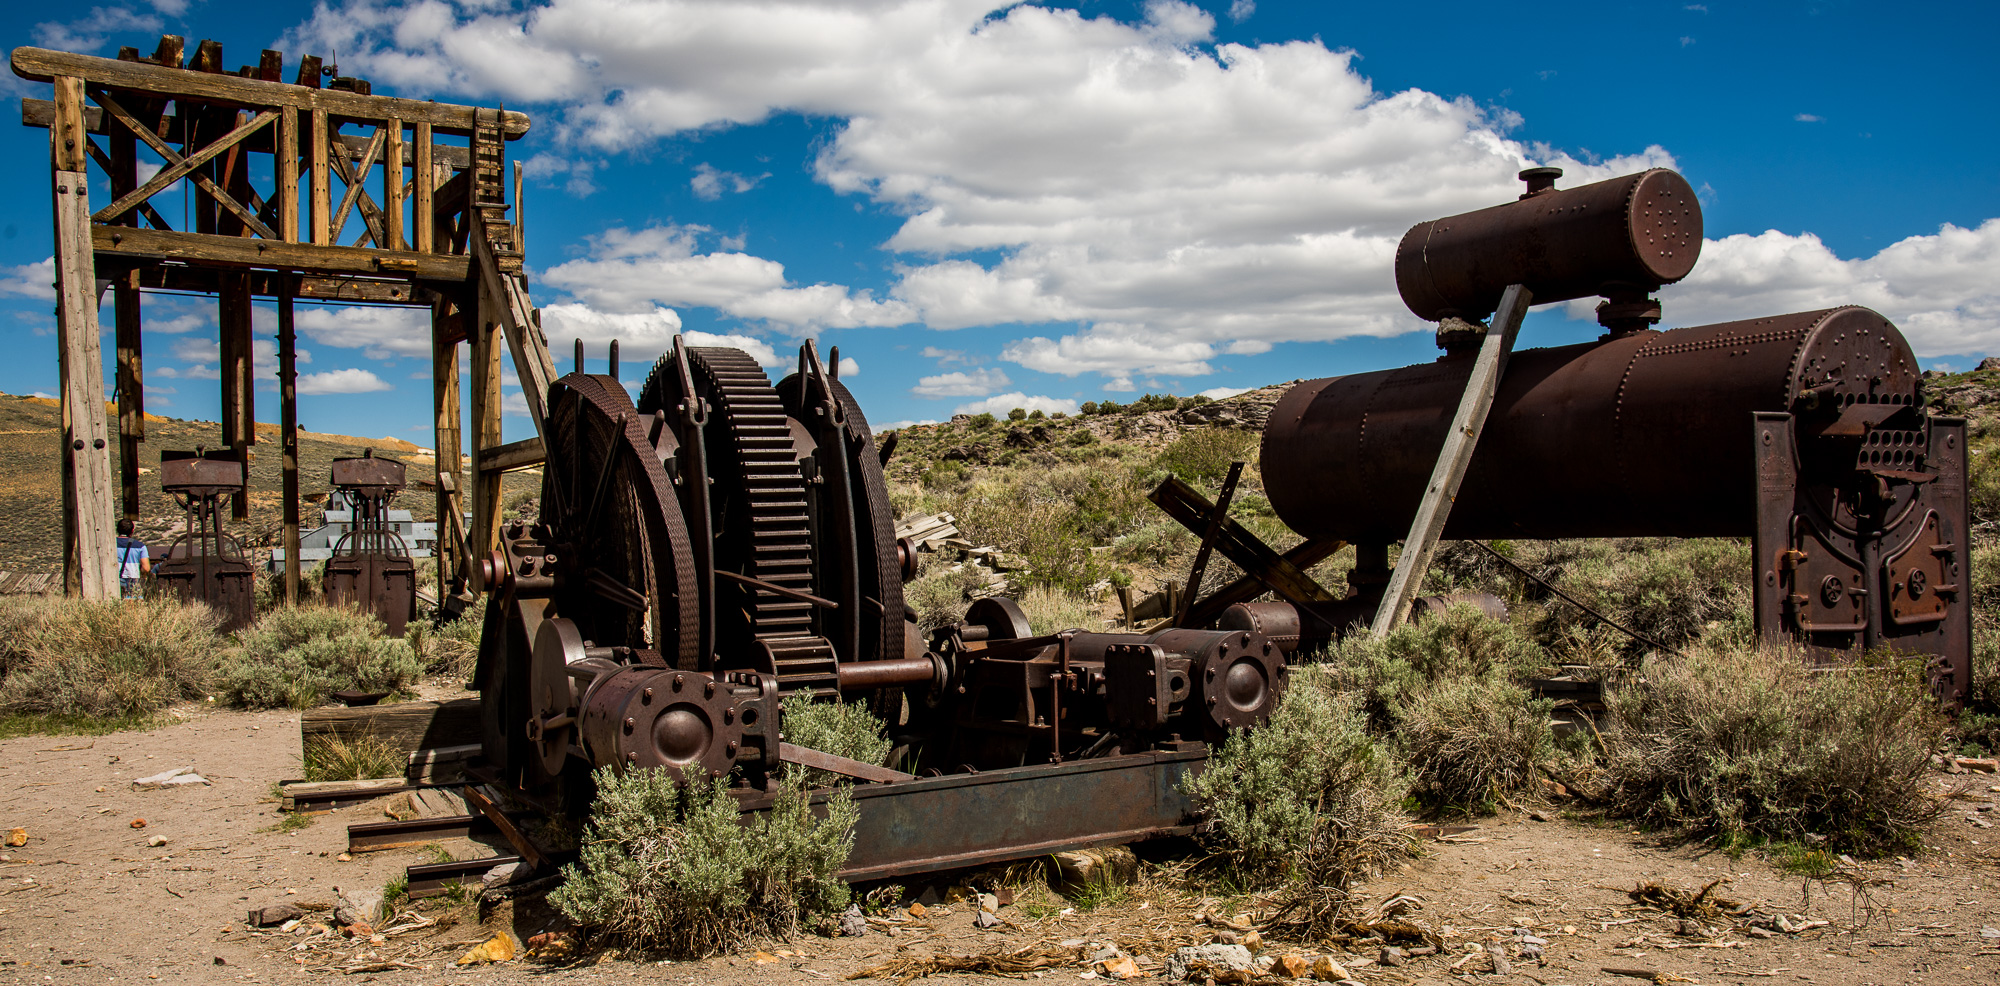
(1644,435)
(1628,234)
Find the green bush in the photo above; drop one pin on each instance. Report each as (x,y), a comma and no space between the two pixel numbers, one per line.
(939,596)
(1307,801)
(299,657)
(451,650)
(983,420)
(1755,744)
(1444,691)
(103,659)
(1204,454)
(841,728)
(672,868)
(1018,414)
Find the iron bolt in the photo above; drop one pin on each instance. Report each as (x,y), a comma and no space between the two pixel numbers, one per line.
(629,724)
(646,696)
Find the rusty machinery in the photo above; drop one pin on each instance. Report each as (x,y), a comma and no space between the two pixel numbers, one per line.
(370,567)
(204,562)
(725,542)
(1804,432)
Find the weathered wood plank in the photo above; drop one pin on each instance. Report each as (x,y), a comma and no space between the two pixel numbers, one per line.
(118,242)
(322,191)
(43,65)
(1181,502)
(404,726)
(354,175)
(286,164)
(1453,459)
(41,113)
(514,455)
(425,221)
(392,188)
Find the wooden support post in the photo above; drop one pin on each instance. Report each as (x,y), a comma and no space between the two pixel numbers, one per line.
(448,413)
(392,188)
(488,346)
(288,435)
(131,389)
(423,218)
(1459,444)
(1180,611)
(90,561)
(322,189)
(286,164)
(239,428)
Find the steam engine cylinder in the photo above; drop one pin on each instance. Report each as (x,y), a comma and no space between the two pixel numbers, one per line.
(1645,435)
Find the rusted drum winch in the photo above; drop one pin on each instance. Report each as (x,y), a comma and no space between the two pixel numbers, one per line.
(1805,432)
(370,567)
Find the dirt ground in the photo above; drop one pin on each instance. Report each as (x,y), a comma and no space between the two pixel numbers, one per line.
(88,900)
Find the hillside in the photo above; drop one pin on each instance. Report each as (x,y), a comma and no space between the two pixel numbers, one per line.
(31,474)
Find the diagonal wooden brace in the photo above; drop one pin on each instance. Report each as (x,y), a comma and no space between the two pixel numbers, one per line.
(1286,578)
(183,167)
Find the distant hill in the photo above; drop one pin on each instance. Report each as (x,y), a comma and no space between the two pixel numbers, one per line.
(31,475)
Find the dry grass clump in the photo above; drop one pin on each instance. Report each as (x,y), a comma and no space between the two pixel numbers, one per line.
(1052,610)
(1307,801)
(1444,693)
(671,868)
(103,659)
(334,759)
(1204,454)
(299,657)
(1754,744)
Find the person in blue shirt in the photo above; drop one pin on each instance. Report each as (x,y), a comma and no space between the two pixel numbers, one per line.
(132,560)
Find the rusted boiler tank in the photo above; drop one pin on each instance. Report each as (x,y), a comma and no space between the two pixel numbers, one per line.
(1804,432)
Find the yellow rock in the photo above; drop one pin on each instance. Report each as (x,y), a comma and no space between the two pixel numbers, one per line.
(1120,967)
(1291,966)
(1252,940)
(17,837)
(1327,970)
(499,948)
(763,958)
(916,910)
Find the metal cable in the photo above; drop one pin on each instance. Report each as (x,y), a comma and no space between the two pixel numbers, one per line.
(1573,601)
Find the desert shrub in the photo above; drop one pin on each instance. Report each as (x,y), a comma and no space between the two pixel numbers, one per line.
(939,596)
(844,729)
(1051,610)
(1472,741)
(1750,744)
(983,420)
(1157,543)
(299,657)
(1444,691)
(671,868)
(103,659)
(1672,591)
(1307,801)
(1204,454)
(451,650)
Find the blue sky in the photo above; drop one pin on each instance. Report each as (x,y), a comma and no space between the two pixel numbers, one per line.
(987,205)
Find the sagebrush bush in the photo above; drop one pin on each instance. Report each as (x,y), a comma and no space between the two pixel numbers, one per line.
(671,868)
(1750,744)
(1445,692)
(299,657)
(1307,801)
(938,595)
(844,729)
(103,659)
(450,650)
(1203,455)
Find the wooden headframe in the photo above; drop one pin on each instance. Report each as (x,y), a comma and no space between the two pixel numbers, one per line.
(300,190)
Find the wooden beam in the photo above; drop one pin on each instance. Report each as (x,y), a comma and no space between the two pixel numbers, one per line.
(288,435)
(1204,612)
(447,417)
(123,243)
(239,429)
(1459,443)
(42,65)
(402,726)
(425,223)
(1181,502)
(90,562)
(392,189)
(131,389)
(504,302)
(357,188)
(41,112)
(286,163)
(488,346)
(514,455)
(189,167)
(355,176)
(267,284)
(322,191)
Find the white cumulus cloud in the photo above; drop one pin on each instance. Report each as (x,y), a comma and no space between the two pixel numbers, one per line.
(348,381)
(1000,404)
(962,383)
(30,280)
